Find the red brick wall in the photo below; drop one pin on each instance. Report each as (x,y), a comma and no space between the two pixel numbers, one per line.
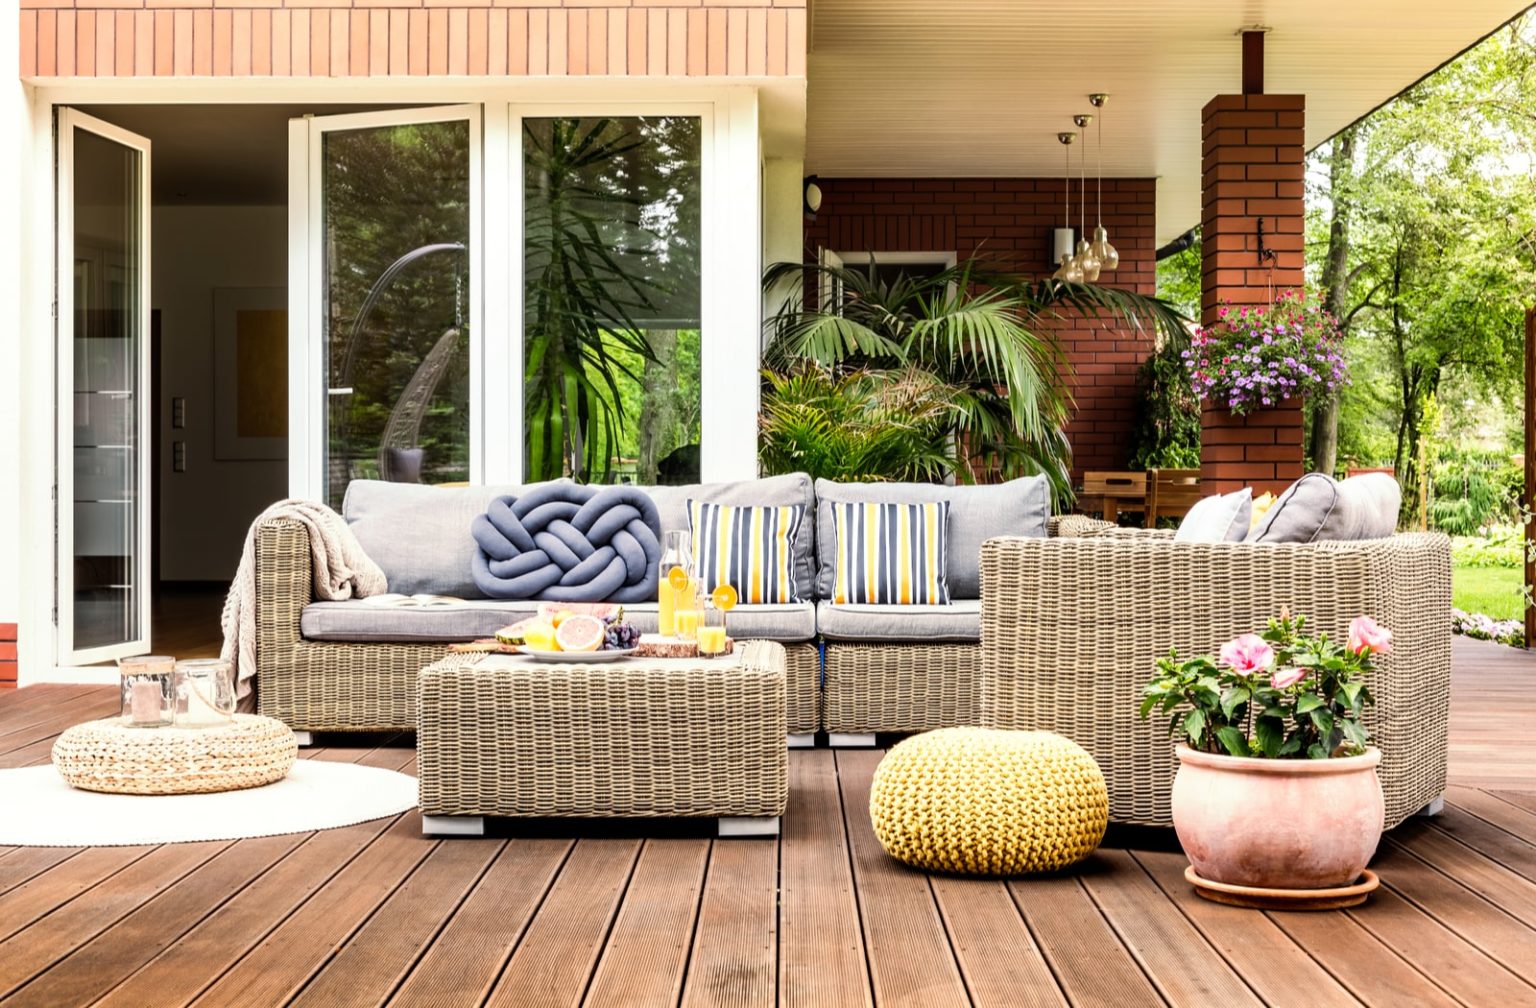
(1013,219)
(1253,162)
(7,655)
(363,38)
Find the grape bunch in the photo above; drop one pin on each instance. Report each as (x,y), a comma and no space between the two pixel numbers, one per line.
(621,636)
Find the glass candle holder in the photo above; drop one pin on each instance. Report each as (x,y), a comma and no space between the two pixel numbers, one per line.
(712,632)
(149,690)
(205,693)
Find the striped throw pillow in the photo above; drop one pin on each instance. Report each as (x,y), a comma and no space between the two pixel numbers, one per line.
(748,548)
(890,554)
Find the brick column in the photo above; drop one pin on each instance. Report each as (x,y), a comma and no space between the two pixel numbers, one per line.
(1252,171)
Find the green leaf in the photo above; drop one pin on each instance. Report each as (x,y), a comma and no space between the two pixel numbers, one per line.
(1322,720)
(1194,724)
(1291,746)
(1355,732)
(1307,702)
(1233,698)
(1269,733)
(1317,751)
(1233,740)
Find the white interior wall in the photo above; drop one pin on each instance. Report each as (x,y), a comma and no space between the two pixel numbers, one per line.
(783,221)
(205,511)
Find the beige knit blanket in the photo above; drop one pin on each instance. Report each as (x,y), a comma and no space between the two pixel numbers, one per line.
(341,571)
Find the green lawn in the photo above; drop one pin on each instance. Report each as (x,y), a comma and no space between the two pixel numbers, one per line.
(1492,591)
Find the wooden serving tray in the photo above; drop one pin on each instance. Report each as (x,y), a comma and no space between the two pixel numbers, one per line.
(650,646)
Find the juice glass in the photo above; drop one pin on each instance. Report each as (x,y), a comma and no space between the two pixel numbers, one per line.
(712,632)
(675,553)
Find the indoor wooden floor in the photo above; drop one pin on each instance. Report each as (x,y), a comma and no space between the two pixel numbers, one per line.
(374,914)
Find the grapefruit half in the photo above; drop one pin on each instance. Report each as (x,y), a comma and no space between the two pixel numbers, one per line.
(581,633)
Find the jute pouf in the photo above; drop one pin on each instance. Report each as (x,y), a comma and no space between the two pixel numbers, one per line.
(987,802)
(108,755)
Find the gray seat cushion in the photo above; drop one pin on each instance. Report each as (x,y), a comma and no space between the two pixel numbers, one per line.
(1318,508)
(976,513)
(358,621)
(878,624)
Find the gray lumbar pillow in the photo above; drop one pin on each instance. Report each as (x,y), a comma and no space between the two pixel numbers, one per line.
(1318,508)
(976,513)
(1218,518)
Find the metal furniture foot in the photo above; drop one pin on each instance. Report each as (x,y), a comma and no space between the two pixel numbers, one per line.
(453,825)
(1434,808)
(304,738)
(850,740)
(802,740)
(748,826)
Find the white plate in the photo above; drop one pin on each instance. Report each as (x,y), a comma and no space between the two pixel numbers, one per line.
(576,657)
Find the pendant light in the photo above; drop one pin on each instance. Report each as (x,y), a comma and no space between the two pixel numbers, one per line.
(1109,258)
(1068,271)
(1086,260)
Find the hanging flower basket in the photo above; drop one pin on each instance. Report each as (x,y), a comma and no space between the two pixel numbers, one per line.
(1254,358)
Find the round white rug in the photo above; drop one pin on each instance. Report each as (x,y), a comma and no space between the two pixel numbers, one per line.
(37,809)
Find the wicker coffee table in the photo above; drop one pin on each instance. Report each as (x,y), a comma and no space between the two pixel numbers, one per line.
(109,755)
(504,735)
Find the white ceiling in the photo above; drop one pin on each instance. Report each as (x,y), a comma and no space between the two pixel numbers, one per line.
(982,87)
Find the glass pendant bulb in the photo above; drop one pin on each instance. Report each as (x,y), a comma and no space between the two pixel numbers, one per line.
(1072,272)
(1087,260)
(1108,257)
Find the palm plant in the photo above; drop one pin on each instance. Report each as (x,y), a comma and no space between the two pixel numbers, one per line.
(857,424)
(985,337)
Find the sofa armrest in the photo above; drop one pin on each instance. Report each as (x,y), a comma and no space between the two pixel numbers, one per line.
(1071,629)
(284,586)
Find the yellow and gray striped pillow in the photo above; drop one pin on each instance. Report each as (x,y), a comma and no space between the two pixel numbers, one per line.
(890,554)
(749,548)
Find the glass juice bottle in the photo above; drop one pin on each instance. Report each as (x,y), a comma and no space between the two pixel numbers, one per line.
(675,553)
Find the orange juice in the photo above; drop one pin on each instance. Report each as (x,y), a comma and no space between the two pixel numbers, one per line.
(686,623)
(711,640)
(666,605)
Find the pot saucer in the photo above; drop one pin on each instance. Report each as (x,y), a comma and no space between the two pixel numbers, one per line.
(1258,898)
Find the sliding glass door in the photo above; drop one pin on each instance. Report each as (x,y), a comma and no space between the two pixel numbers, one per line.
(103,473)
(391,246)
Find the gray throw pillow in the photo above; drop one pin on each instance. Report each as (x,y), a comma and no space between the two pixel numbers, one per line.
(1318,508)
(976,513)
(1218,518)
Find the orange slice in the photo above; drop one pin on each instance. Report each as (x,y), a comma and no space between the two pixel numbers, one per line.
(678,579)
(725,597)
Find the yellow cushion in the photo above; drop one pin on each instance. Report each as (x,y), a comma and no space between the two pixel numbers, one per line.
(1261,506)
(988,802)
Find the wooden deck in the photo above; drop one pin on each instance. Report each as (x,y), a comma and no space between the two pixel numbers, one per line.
(651,915)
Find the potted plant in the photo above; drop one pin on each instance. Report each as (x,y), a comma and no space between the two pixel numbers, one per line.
(1276,800)
(1254,358)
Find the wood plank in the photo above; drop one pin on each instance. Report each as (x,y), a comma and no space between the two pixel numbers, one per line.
(35,745)
(38,704)
(997,956)
(25,862)
(734,963)
(382,951)
(277,968)
(463,963)
(910,960)
(1519,799)
(1372,972)
(1503,888)
(1262,954)
(48,890)
(644,959)
(50,938)
(1483,924)
(821,947)
(553,963)
(99,964)
(1171,951)
(1474,820)
(1084,953)
(1437,952)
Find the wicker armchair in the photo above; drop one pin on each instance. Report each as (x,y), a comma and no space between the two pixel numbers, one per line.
(1072,627)
(370,686)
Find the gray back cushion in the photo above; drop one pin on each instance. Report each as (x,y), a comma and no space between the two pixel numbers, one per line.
(770,491)
(976,513)
(419,534)
(1318,508)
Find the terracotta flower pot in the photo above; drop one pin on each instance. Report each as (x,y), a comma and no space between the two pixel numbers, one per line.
(1278,823)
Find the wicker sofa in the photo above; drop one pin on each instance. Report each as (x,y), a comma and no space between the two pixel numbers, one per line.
(1072,626)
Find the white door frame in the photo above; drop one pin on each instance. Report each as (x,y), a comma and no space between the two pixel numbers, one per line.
(70,120)
(308,374)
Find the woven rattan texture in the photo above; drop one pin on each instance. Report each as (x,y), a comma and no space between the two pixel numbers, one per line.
(1071,629)
(644,737)
(987,802)
(899,687)
(370,686)
(108,755)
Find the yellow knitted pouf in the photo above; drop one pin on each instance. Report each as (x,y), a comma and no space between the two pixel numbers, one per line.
(988,802)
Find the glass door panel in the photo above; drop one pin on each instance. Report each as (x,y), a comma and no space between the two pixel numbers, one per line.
(103,477)
(394,271)
(611,298)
